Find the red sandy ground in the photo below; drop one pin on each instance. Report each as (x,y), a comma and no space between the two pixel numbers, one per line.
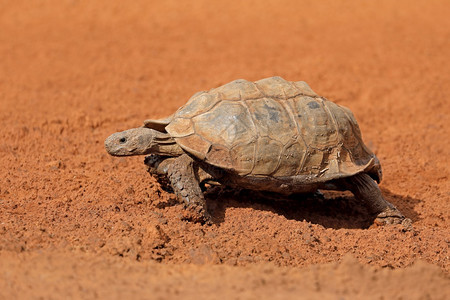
(75,221)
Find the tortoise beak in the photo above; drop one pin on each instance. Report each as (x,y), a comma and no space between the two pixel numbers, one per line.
(112,144)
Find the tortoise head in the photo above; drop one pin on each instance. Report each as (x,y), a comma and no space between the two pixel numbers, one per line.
(136,141)
(141,141)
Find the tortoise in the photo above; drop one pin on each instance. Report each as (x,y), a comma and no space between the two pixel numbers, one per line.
(269,135)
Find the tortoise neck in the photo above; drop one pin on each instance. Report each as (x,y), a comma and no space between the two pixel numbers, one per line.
(165,145)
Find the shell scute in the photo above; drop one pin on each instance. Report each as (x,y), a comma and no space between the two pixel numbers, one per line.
(197,104)
(267,156)
(314,162)
(219,155)
(243,157)
(304,88)
(180,127)
(238,90)
(315,123)
(272,120)
(159,124)
(195,145)
(276,87)
(291,159)
(227,124)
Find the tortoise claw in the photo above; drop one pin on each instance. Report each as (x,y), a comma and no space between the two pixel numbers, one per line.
(392,216)
(197,214)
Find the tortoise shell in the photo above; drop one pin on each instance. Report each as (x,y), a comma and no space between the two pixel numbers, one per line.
(271,128)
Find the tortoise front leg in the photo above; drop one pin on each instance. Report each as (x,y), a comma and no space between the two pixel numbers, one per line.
(157,167)
(186,186)
(365,189)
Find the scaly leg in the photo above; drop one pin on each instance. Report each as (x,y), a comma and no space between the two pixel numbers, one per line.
(157,167)
(186,186)
(365,189)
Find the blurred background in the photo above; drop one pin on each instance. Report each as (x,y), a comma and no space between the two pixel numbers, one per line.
(73,72)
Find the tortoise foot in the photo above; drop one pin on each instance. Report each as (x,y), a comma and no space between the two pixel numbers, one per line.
(186,186)
(197,214)
(153,161)
(392,216)
(157,168)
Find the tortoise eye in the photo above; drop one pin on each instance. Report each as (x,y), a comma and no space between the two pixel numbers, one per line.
(122,140)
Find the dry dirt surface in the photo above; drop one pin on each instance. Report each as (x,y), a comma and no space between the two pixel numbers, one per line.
(77,223)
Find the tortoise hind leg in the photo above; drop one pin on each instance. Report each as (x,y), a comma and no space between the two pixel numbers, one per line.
(365,189)
(186,186)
